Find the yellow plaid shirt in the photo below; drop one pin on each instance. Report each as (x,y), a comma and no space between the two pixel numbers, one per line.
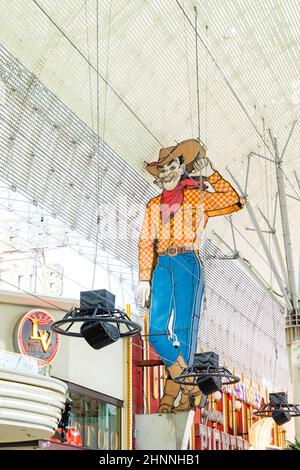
(186,227)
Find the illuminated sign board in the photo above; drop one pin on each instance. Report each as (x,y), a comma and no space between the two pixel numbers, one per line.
(209,414)
(246,391)
(213,439)
(33,336)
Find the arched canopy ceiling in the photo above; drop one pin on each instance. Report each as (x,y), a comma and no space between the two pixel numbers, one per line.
(147,84)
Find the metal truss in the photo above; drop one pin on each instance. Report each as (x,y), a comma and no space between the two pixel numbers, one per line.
(282,268)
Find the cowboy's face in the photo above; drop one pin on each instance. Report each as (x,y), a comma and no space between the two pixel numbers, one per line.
(170,174)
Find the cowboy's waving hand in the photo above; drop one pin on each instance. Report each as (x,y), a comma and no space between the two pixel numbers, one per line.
(202,167)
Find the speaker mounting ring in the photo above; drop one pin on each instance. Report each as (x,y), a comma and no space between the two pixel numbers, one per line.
(190,376)
(267,409)
(76,315)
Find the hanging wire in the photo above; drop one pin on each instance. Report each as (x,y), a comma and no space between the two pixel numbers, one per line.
(199,138)
(107,71)
(198,85)
(258,161)
(59,308)
(218,67)
(34,295)
(266,175)
(267,196)
(122,99)
(89,69)
(161,332)
(38,297)
(274,322)
(199,132)
(100,181)
(53,270)
(114,91)
(188,75)
(133,112)
(206,88)
(98,132)
(98,146)
(206,143)
(99,297)
(271,271)
(291,184)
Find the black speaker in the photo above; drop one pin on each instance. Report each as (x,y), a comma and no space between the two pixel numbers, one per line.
(99,334)
(280,398)
(206,359)
(281,417)
(102,298)
(209,384)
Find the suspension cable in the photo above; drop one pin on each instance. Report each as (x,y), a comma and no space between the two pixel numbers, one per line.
(238,99)
(98,147)
(109,86)
(188,75)
(89,69)
(100,181)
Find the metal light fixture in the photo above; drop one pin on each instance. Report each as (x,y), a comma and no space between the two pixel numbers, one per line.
(279,409)
(217,396)
(100,322)
(207,374)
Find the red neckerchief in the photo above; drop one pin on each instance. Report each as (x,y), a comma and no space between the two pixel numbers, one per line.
(171,200)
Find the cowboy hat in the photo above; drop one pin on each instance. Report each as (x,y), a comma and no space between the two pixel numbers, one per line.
(188,149)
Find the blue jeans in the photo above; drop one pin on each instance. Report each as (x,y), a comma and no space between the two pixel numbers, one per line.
(177,286)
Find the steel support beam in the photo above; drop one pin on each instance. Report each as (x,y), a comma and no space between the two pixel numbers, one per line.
(253,154)
(286,144)
(293,197)
(285,221)
(264,245)
(277,247)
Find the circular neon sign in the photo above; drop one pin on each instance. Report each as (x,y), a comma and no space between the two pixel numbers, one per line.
(33,336)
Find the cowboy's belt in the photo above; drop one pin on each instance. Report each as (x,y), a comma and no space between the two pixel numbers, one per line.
(178,250)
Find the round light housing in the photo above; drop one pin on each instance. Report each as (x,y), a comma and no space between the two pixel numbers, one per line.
(237,405)
(217,396)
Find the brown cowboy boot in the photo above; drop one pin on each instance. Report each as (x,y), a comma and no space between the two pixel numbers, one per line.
(187,398)
(187,391)
(171,392)
(172,389)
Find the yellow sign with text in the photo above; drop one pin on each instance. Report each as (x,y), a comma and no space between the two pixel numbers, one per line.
(43,336)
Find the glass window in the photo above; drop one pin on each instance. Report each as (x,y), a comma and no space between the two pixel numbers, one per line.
(94,424)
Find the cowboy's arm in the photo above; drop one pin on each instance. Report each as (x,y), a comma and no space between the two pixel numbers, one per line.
(147,247)
(147,255)
(224,200)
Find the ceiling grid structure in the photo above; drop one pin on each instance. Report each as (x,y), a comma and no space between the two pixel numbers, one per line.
(48,146)
(242,333)
(48,165)
(237,321)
